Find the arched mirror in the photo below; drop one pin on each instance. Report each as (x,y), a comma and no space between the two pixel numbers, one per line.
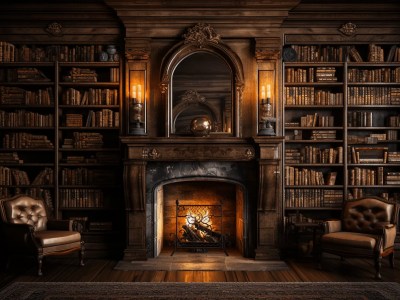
(202,89)
(202,79)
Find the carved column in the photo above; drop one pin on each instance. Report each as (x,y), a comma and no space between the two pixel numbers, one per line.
(269,208)
(137,53)
(135,207)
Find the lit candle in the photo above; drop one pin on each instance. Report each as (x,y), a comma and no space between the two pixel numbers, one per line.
(139,93)
(262,92)
(268,91)
(134,92)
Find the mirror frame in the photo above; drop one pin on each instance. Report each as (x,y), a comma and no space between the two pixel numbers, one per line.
(202,38)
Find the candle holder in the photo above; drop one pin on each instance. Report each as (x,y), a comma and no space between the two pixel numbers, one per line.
(136,124)
(267,118)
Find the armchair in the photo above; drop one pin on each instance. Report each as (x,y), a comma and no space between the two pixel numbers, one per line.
(26,230)
(367,229)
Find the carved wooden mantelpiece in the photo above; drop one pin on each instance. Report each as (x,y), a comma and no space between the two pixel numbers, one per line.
(263,155)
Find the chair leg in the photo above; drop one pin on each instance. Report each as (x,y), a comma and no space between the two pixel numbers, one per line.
(319,260)
(391,259)
(82,254)
(40,263)
(378,263)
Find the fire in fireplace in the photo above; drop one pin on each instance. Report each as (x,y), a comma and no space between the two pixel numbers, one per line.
(199,227)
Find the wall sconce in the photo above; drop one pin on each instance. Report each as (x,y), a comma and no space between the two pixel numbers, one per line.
(266,110)
(136,110)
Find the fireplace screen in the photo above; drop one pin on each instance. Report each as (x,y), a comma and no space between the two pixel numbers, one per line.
(199,227)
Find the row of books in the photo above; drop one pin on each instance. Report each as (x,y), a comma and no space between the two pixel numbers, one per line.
(307,198)
(11,95)
(312,154)
(311,96)
(368,95)
(81,75)
(360,119)
(81,198)
(24,140)
(316,120)
(23,75)
(341,53)
(85,176)
(103,118)
(10,158)
(90,96)
(305,176)
(373,75)
(50,53)
(11,176)
(84,140)
(99,157)
(24,118)
(369,176)
(7,52)
(319,74)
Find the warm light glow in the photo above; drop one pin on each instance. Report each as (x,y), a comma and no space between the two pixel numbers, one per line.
(134,91)
(139,93)
(268,91)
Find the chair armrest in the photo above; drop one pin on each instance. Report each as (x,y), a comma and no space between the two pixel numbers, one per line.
(60,225)
(389,235)
(18,236)
(332,226)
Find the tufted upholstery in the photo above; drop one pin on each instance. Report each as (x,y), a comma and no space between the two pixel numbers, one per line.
(367,229)
(368,215)
(27,230)
(25,210)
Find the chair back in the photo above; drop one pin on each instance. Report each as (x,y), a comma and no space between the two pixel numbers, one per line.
(368,215)
(23,209)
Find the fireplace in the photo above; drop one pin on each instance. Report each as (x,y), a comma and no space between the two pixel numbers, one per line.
(214,195)
(237,179)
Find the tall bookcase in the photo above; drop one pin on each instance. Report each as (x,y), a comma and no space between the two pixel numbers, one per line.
(60,127)
(341,122)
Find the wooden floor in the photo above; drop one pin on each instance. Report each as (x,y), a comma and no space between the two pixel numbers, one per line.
(101,270)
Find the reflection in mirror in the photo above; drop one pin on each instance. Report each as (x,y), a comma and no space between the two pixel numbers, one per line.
(202,87)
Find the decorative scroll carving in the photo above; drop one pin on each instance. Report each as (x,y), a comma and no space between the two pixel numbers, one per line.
(192,96)
(249,154)
(348,29)
(137,49)
(201,34)
(54,29)
(265,54)
(151,153)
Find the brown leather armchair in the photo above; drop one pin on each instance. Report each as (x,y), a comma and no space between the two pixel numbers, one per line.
(27,230)
(367,229)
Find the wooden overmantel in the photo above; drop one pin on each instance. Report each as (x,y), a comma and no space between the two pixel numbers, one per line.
(233,18)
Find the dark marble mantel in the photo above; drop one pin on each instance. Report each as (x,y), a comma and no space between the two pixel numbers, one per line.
(263,153)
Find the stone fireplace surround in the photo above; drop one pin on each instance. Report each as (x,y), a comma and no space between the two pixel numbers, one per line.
(252,163)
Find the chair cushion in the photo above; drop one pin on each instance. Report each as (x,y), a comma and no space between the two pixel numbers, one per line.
(350,239)
(48,238)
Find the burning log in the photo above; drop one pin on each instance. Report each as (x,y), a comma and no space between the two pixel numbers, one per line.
(206,230)
(190,234)
(200,233)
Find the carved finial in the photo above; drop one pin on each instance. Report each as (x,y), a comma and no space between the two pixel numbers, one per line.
(201,34)
(191,96)
(54,29)
(348,29)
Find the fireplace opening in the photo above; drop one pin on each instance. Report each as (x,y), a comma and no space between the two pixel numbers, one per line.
(200,214)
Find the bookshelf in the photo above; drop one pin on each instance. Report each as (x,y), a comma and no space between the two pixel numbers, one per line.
(60,127)
(341,122)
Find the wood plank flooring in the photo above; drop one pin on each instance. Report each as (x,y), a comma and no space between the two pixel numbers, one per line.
(101,270)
